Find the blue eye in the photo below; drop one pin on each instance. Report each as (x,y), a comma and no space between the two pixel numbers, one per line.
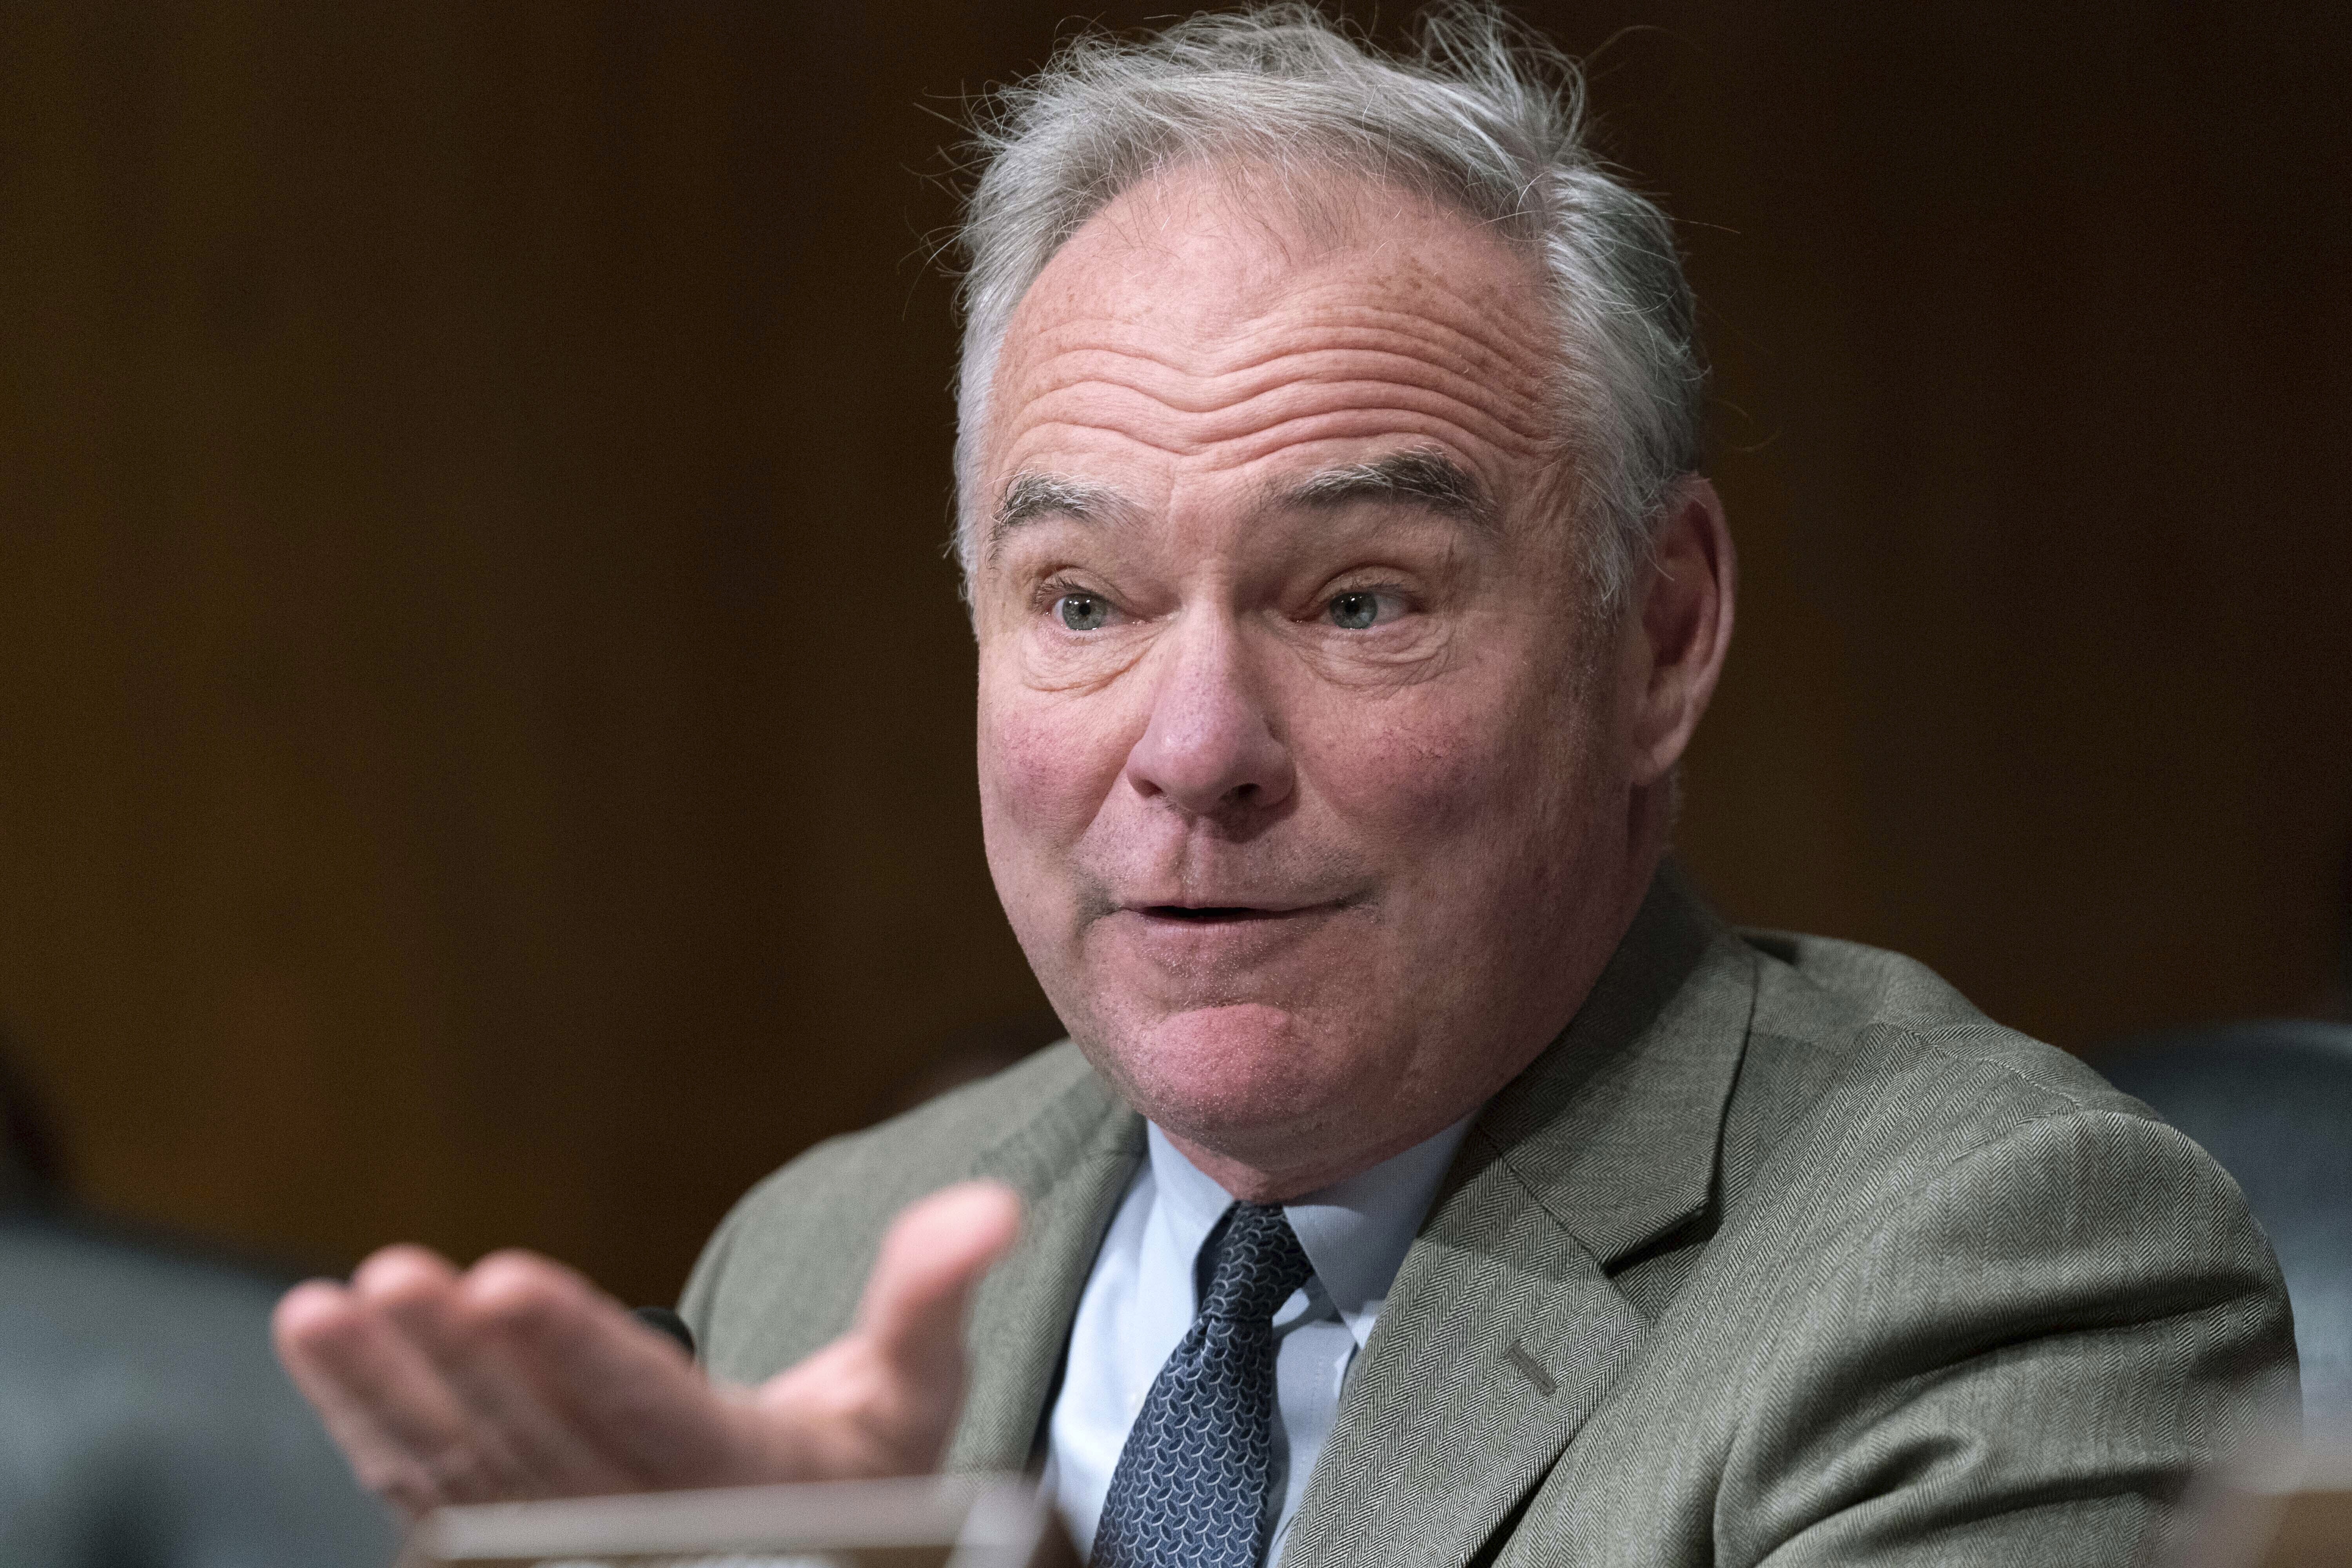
(1082,611)
(1354,612)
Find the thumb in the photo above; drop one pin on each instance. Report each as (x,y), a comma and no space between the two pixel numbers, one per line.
(935,1255)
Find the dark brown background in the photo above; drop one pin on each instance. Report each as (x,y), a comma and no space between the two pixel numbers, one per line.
(487,721)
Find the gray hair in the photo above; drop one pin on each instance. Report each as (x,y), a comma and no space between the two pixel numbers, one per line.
(1481,114)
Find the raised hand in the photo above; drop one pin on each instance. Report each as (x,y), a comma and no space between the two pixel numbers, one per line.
(517,1378)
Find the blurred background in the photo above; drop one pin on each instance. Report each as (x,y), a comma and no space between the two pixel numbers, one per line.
(484,721)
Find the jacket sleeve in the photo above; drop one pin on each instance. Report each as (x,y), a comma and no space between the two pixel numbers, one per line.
(2019,1362)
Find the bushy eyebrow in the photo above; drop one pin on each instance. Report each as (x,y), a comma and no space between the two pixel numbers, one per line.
(1028,497)
(1421,475)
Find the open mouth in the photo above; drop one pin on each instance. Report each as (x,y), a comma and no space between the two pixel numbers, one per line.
(1210,914)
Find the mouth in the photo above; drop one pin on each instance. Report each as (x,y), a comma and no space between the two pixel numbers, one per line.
(1210,914)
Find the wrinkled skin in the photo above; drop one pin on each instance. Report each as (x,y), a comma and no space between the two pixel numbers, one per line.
(1316,813)
(1316,816)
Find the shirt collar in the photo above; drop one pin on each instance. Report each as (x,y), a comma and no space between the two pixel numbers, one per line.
(1355,1232)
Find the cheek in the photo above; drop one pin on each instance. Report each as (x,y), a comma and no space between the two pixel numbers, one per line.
(1044,768)
(1430,766)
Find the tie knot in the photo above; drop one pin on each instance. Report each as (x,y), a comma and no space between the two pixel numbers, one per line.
(1258,1266)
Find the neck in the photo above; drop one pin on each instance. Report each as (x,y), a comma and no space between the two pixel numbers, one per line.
(1254,1182)
(1285,1164)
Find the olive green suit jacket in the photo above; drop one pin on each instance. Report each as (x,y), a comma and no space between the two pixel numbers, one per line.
(1782,1253)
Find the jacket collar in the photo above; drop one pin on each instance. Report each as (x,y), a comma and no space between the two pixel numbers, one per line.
(1504,1331)
(1613,1131)
(1070,1162)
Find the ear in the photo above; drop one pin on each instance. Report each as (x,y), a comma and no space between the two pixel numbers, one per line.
(1678,627)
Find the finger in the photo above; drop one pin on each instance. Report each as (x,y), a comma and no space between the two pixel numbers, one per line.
(525,1448)
(409,1290)
(879,1400)
(935,1256)
(378,1398)
(642,1409)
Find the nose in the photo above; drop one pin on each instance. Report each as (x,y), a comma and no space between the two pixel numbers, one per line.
(1210,749)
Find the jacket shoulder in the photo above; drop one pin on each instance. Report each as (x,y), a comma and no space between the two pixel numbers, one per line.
(1969,1231)
(1848,1035)
(2030,1305)
(1868,1082)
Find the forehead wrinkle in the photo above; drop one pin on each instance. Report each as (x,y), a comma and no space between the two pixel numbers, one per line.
(1402,351)
(1380,406)
(1112,344)
(1489,360)
(1316,430)
(1323,367)
(1496,336)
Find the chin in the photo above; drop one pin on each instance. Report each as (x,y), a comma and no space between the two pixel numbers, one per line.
(1231,1077)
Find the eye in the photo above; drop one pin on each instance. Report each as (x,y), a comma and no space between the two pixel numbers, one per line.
(1356,610)
(1082,611)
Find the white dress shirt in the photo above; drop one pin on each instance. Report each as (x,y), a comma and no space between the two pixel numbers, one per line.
(1143,1295)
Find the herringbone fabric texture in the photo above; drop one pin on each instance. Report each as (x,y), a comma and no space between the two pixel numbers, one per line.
(1782,1254)
(1191,1488)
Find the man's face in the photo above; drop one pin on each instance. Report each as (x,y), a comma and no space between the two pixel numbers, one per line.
(1298,765)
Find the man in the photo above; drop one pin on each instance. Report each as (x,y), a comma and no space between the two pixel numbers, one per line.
(1431,1178)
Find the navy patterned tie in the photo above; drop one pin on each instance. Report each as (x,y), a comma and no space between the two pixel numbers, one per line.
(1190,1487)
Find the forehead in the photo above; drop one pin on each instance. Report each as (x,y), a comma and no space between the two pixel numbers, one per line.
(1219,320)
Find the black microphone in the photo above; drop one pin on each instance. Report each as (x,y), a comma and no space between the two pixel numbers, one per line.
(662,1320)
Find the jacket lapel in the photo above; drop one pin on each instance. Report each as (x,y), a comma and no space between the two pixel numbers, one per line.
(1504,1331)
(1071,1165)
